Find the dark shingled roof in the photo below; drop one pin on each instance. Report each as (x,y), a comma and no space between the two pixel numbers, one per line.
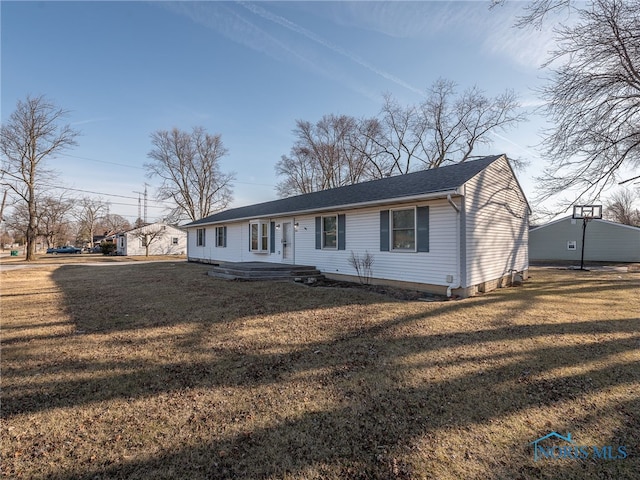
(413,184)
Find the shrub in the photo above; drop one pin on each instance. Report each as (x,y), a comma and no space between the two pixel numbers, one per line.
(363,266)
(108,248)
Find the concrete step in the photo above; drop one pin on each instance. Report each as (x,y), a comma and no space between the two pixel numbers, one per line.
(264,271)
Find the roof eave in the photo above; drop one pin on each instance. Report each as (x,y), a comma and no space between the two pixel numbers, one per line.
(386,201)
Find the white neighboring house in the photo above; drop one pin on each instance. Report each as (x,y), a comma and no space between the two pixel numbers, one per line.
(152,239)
(459,229)
(605,241)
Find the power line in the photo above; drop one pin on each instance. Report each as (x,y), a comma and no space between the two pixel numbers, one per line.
(108,195)
(135,205)
(91,191)
(101,161)
(142,168)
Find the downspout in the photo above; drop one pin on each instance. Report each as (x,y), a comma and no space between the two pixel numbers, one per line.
(457,209)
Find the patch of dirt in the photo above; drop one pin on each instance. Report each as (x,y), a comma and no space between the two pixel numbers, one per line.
(393,292)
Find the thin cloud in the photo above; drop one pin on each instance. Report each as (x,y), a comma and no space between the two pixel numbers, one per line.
(223,20)
(533,103)
(219,17)
(89,120)
(325,43)
(517,145)
(492,28)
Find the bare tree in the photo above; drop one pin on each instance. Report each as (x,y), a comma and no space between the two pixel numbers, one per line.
(31,136)
(328,154)
(592,95)
(621,207)
(148,235)
(399,137)
(53,221)
(444,128)
(298,172)
(5,238)
(537,11)
(188,164)
(458,126)
(18,222)
(114,223)
(88,212)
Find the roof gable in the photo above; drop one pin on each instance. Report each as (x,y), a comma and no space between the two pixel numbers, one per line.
(150,226)
(598,220)
(425,182)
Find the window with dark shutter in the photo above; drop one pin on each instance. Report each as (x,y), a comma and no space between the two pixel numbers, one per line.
(384,230)
(318,233)
(422,216)
(342,226)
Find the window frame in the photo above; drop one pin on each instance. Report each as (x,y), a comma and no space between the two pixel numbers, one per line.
(201,237)
(392,230)
(335,232)
(174,240)
(262,235)
(221,237)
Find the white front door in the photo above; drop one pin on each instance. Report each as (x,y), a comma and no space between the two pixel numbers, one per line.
(287,243)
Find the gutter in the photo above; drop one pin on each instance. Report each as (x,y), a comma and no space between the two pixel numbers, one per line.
(457,209)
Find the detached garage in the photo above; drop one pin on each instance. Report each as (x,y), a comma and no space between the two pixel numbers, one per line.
(605,241)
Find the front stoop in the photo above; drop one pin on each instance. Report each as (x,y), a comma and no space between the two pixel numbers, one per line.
(257,271)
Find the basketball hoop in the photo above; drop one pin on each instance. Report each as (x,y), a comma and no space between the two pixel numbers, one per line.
(586,213)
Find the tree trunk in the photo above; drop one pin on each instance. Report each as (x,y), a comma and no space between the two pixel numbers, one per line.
(32,227)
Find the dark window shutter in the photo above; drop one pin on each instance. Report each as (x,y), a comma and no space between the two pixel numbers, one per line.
(272,237)
(423,229)
(384,230)
(249,237)
(318,233)
(224,240)
(342,224)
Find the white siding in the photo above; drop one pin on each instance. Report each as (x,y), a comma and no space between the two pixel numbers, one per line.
(604,241)
(161,245)
(491,231)
(497,220)
(237,249)
(363,235)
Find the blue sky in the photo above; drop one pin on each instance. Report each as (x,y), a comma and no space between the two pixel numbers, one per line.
(248,71)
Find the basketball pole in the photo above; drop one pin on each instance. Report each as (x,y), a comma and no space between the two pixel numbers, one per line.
(586,213)
(584,231)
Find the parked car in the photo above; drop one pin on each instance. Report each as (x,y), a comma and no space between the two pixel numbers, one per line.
(68,249)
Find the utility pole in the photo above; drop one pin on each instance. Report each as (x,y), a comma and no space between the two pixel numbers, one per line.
(145,203)
(140,217)
(4,200)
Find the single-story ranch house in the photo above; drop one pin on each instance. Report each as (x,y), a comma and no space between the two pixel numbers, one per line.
(459,229)
(152,239)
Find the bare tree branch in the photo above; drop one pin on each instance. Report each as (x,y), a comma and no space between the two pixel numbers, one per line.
(188,164)
(88,212)
(328,154)
(622,207)
(445,127)
(593,98)
(31,136)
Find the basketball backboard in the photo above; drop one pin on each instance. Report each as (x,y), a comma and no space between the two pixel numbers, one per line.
(587,212)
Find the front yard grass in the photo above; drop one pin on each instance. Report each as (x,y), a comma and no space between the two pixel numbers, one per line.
(159,371)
